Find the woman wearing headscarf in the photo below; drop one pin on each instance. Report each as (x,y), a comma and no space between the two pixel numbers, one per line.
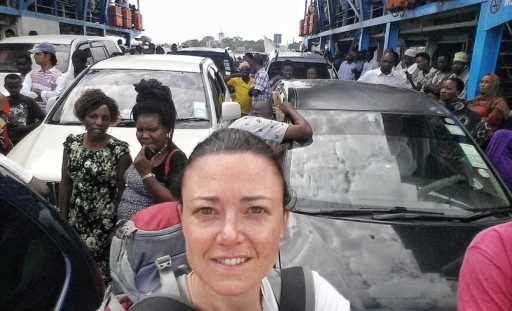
(491,107)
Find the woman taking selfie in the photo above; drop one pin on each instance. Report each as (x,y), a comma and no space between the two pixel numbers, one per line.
(234,214)
(154,176)
(93,169)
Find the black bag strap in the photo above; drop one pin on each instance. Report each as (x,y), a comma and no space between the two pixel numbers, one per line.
(297,290)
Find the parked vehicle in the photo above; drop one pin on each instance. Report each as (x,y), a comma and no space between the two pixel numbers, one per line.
(389,193)
(301,61)
(223,58)
(44,265)
(198,91)
(97,48)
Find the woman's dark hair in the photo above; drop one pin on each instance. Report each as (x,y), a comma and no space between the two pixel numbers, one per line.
(91,100)
(154,98)
(53,58)
(238,141)
(425,55)
(458,83)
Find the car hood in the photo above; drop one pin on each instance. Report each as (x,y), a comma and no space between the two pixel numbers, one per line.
(381,266)
(41,151)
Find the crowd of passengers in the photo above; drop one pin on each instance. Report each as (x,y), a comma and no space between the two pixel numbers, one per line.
(101,183)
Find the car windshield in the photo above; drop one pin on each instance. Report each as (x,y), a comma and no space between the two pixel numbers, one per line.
(10,51)
(379,160)
(187,90)
(300,68)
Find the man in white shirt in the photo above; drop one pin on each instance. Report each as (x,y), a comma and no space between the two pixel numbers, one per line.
(408,64)
(385,73)
(370,63)
(348,68)
(259,123)
(460,69)
(46,82)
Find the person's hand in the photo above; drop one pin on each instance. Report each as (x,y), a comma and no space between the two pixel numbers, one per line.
(250,91)
(286,107)
(142,164)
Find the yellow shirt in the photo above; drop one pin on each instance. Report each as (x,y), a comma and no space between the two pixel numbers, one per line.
(242,92)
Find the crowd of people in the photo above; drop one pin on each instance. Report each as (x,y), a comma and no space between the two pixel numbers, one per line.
(238,215)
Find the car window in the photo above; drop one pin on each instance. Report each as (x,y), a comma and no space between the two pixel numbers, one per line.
(383,160)
(32,267)
(218,96)
(98,51)
(187,90)
(87,48)
(10,51)
(111,47)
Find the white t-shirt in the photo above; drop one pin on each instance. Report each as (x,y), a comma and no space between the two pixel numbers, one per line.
(266,129)
(394,78)
(15,169)
(327,297)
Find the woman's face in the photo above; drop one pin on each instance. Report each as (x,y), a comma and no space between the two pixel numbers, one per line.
(485,85)
(151,132)
(233,220)
(448,91)
(97,121)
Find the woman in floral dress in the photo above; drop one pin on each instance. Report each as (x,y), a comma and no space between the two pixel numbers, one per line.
(93,169)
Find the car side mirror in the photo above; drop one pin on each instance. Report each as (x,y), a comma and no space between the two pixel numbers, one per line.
(50,103)
(231,111)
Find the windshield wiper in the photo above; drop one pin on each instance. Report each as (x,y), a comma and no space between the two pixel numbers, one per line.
(192,120)
(414,215)
(397,210)
(482,215)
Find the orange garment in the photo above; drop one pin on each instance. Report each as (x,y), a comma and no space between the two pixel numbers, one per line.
(5,142)
(493,110)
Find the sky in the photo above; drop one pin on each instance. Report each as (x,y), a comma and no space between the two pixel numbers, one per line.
(173,21)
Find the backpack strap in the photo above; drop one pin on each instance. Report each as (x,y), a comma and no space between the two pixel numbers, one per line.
(167,165)
(293,288)
(168,281)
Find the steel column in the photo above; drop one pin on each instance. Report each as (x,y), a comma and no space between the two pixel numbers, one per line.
(364,39)
(485,51)
(391,35)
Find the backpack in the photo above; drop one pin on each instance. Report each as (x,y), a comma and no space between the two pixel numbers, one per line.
(142,251)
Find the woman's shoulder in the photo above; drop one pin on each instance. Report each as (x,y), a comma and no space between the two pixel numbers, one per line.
(74,139)
(118,143)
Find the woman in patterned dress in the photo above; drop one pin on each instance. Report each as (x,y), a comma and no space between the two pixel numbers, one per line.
(93,169)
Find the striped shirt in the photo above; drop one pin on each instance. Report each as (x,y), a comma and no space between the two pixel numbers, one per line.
(49,82)
(261,83)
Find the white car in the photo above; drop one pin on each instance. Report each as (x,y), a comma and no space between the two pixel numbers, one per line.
(202,101)
(97,48)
